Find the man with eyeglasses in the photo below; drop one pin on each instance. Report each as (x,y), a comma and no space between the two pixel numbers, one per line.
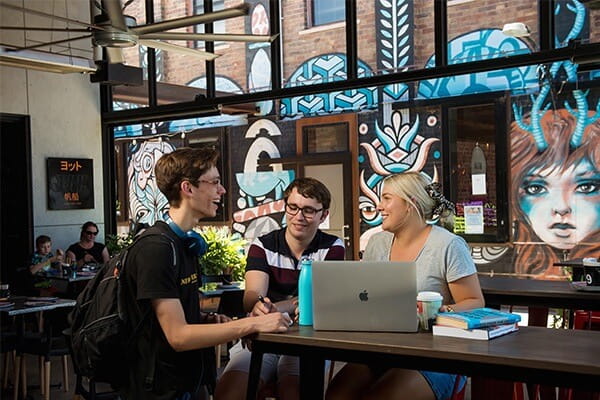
(173,356)
(272,271)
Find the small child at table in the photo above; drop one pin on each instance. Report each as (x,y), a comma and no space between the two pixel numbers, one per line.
(44,261)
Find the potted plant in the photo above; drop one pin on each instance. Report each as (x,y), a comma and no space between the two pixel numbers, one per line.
(225,253)
(116,243)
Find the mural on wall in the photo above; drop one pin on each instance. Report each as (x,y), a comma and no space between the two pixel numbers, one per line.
(394,30)
(474,46)
(327,68)
(260,188)
(554,141)
(258,58)
(555,165)
(392,148)
(146,202)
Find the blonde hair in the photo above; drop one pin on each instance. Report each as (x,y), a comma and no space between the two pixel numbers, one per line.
(417,190)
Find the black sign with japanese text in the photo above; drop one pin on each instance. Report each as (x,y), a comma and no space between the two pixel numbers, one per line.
(70,183)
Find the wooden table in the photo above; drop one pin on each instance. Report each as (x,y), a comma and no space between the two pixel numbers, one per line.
(532,354)
(500,290)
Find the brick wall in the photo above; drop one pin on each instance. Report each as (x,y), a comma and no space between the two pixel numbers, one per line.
(302,42)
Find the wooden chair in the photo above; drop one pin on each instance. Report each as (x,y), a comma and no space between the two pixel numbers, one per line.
(8,346)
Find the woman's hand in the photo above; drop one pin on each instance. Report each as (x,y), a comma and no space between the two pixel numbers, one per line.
(446,308)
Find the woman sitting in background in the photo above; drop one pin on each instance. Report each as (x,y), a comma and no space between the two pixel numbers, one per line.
(87,250)
(410,206)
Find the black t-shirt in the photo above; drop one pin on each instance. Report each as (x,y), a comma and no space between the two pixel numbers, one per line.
(95,251)
(150,274)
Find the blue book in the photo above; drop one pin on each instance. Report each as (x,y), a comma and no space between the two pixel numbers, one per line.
(476,318)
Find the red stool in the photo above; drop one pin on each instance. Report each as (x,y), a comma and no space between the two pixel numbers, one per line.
(586,320)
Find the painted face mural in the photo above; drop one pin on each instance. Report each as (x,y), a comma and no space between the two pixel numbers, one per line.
(562,205)
(555,160)
(556,191)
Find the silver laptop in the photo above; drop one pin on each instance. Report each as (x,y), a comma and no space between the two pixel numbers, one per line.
(365,296)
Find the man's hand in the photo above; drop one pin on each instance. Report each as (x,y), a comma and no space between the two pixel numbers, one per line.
(263,307)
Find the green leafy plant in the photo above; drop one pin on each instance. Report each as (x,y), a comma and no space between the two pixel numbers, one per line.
(225,254)
(116,243)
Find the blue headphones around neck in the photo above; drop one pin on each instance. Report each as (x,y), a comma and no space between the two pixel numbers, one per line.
(193,241)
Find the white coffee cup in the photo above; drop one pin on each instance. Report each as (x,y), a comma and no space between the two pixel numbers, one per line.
(428,306)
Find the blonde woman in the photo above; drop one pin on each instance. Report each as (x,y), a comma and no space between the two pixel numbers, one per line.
(410,206)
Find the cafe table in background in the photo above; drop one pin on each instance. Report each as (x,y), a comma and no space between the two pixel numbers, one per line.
(19,306)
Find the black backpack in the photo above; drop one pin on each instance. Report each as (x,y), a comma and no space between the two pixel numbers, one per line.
(101,332)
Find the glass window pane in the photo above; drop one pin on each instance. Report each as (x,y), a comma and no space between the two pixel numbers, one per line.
(328,11)
(313,55)
(475,29)
(474,171)
(218,26)
(326,138)
(566,27)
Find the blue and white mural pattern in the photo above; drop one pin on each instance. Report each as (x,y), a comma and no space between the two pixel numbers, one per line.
(394,41)
(322,69)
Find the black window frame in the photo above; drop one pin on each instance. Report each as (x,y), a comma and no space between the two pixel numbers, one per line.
(198,8)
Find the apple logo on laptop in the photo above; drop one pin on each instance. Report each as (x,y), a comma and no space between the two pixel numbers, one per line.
(364,295)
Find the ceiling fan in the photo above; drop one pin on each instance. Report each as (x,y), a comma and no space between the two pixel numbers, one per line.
(113,30)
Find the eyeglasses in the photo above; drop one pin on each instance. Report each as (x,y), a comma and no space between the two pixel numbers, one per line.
(308,212)
(91,233)
(215,181)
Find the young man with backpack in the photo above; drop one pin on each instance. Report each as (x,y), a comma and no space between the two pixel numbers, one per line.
(173,354)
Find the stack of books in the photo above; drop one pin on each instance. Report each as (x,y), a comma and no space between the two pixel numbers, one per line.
(479,323)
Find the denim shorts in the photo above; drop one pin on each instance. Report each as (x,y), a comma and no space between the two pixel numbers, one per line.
(442,384)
